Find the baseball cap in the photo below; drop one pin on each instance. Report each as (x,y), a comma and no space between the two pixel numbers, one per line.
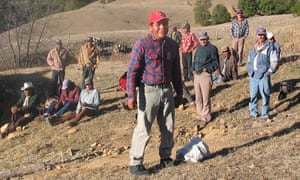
(58,41)
(203,35)
(225,48)
(87,81)
(157,16)
(89,39)
(239,11)
(261,31)
(65,84)
(270,35)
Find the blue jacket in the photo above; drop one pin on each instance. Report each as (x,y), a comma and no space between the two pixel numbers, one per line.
(267,60)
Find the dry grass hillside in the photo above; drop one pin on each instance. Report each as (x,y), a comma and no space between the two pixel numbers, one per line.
(98,148)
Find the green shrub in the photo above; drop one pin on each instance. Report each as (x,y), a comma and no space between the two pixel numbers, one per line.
(296,9)
(270,7)
(202,15)
(220,14)
(249,7)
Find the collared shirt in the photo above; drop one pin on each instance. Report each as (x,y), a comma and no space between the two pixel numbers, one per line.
(154,62)
(70,96)
(57,58)
(239,30)
(189,42)
(90,97)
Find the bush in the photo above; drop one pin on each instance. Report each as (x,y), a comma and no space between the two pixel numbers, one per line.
(202,15)
(296,9)
(270,7)
(249,7)
(220,14)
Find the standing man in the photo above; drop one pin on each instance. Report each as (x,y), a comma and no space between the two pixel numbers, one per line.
(88,60)
(57,59)
(189,42)
(175,35)
(205,63)
(262,62)
(153,69)
(239,32)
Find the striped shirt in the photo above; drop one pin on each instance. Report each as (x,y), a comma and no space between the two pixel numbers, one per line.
(154,62)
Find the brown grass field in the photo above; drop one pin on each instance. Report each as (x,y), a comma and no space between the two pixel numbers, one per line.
(98,148)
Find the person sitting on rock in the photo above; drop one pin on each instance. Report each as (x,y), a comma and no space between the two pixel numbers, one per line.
(68,100)
(88,103)
(25,109)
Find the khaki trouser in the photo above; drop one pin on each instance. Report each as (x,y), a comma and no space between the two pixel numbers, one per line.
(202,85)
(153,103)
(238,47)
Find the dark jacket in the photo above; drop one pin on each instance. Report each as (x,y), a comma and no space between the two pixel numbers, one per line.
(32,104)
(230,67)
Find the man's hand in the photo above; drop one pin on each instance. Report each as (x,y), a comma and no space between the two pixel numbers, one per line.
(14,109)
(131,103)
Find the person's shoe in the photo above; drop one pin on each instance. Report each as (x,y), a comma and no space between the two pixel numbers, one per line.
(139,170)
(73,123)
(166,163)
(46,114)
(49,120)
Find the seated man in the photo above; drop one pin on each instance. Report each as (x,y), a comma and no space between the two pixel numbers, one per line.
(88,103)
(25,109)
(67,101)
(227,67)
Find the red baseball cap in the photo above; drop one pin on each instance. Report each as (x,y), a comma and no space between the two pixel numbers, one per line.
(157,16)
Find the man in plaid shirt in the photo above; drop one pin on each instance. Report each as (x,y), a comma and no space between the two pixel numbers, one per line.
(153,72)
(239,32)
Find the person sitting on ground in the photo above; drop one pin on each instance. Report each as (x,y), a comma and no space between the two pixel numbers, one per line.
(88,103)
(25,109)
(227,67)
(67,101)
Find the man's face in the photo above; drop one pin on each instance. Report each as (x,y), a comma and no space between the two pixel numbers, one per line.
(225,53)
(160,29)
(58,46)
(203,42)
(261,38)
(240,15)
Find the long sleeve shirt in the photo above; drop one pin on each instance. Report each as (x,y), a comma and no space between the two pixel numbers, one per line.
(154,62)
(31,105)
(206,57)
(239,30)
(189,42)
(57,59)
(90,97)
(88,56)
(70,95)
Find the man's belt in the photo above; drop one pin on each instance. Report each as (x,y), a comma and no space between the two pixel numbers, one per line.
(160,85)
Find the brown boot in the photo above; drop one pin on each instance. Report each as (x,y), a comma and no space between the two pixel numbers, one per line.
(77,118)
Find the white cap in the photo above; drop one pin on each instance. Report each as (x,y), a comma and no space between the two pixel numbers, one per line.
(270,35)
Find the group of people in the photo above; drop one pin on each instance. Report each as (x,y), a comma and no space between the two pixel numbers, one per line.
(154,74)
(80,101)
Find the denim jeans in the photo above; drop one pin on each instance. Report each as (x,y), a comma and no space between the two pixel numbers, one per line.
(260,87)
(66,107)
